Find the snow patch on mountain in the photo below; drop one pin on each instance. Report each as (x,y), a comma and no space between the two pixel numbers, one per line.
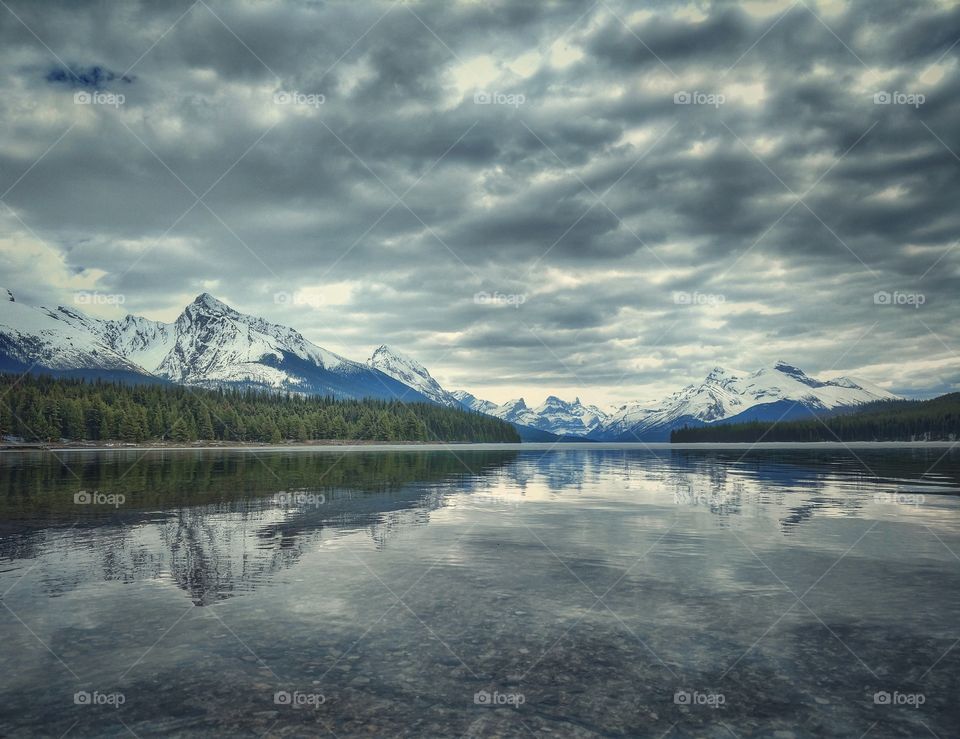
(472,402)
(43,337)
(411,373)
(727,393)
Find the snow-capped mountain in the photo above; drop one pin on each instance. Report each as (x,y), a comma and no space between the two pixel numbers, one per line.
(46,339)
(210,344)
(468,400)
(768,394)
(562,417)
(554,415)
(412,374)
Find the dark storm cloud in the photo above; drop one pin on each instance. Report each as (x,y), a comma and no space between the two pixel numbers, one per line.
(390,198)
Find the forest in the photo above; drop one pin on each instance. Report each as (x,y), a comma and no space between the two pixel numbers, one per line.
(937,419)
(45,409)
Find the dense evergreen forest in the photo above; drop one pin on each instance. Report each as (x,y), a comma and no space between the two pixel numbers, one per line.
(937,419)
(47,409)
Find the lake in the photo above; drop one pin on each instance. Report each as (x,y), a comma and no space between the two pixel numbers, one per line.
(550,592)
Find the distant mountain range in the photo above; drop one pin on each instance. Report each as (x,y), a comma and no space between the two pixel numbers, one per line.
(212,345)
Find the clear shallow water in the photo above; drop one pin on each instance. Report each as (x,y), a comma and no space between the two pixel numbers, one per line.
(481,593)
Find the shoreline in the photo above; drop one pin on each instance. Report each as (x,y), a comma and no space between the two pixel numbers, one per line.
(376,446)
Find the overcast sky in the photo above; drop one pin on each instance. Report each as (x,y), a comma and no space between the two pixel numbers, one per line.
(603,199)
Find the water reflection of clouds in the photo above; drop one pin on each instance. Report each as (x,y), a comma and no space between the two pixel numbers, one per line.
(214,551)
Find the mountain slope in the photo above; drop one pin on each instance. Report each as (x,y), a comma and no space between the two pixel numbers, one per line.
(767,394)
(45,340)
(209,345)
(212,345)
(884,420)
(412,374)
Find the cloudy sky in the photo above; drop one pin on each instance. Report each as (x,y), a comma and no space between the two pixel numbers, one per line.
(597,198)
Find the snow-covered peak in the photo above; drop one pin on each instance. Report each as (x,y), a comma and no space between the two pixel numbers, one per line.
(472,402)
(9,295)
(59,339)
(518,404)
(205,301)
(213,343)
(727,393)
(565,418)
(387,355)
(411,373)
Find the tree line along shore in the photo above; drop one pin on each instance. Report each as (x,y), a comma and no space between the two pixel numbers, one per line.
(47,409)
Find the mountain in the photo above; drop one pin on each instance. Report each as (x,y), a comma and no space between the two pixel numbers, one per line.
(212,345)
(937,419)
(554,415)
(209,345)
(412,374)
(40,338)
(472,402)
(573,419)
(768,394)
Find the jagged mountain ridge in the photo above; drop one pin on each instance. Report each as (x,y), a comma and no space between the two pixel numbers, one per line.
(211,344)
(770,393)
(411,373)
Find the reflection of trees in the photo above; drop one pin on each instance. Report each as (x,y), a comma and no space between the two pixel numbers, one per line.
(215,523)
(806,482)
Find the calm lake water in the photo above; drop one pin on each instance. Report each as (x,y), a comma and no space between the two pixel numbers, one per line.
(572,592)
